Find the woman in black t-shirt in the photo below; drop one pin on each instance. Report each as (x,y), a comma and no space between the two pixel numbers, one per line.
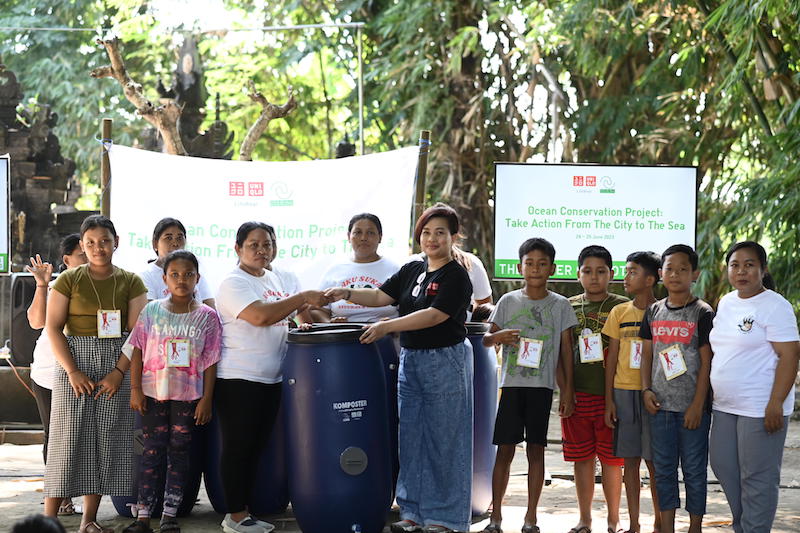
(435,378)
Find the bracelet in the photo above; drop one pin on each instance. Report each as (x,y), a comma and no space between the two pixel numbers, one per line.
(118,369)
(648,389)
(41,286)
(76,370)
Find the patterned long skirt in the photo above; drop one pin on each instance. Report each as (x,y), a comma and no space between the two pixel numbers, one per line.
(90,448)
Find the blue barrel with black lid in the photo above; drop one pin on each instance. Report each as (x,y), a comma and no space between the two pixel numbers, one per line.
(334,402)
(485,411)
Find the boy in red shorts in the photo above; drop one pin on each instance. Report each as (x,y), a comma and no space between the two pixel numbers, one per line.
(585,434)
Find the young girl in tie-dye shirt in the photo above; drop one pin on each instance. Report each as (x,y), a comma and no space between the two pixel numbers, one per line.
(176,346)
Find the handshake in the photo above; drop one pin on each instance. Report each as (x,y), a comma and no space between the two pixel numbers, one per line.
(323,298)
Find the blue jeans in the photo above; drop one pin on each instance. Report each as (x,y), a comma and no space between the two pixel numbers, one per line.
(673,443)
(435,436)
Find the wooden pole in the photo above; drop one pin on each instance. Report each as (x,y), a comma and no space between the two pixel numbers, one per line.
(420,180)
(105,171)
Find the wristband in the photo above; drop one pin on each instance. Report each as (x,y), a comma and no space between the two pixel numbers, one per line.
(41,286)
(648,389)
(76,370)
(118,369)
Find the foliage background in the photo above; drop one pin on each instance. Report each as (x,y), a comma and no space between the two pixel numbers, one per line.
(708,83)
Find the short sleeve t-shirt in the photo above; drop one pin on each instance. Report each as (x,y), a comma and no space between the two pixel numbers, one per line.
(623,324)
(352,275)
(447,289)
(590,378)
(155,333)
(688,327)
(543,320)
(249,352)
(743,368)
(481,286)
(153,278)
(113,293)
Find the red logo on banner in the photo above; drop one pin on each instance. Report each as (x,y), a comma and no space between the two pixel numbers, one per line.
(577,181)
(236,188)
(255,188)
(591,181)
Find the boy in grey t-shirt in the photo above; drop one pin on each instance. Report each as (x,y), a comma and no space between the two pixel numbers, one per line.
(534,326)
(676,367)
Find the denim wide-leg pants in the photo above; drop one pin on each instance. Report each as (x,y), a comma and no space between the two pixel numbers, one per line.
(435,435)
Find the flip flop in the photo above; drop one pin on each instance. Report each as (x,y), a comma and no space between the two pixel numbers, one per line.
(492,528)
(527,528)
(581,529)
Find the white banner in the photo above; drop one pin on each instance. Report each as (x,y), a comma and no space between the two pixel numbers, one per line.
(309,203)
(624,208)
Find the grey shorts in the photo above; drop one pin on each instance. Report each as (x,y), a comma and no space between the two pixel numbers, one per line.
(632,432)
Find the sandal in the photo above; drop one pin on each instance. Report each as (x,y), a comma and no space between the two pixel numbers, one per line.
(94,527)
(138,526)
(581,529)
(437,529)
(405,526)
(169,525)
(527,528)
(66,508)
(493,528)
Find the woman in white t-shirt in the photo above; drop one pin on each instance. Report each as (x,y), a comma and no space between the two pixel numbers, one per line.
(289,280)
(169,235)
(756,349)
(365,270)
(44,361)
(253,310)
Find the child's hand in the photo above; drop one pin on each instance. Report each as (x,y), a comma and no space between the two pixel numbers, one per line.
(692,416)
(80,383)
(651,402)
(611,414)
(566,404)
(109,384)
(138,401)
(202,413)
(509,337)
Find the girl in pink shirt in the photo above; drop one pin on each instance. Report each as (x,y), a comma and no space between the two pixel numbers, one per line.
(177,344)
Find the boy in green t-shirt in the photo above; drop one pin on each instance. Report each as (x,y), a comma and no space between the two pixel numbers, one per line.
(624,408)
(585,435)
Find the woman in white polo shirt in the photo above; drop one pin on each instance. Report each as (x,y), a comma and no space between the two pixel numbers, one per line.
(253,309)
(756,349)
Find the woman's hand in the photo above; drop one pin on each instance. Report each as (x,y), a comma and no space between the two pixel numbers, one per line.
(773,416)
(316,298)
(335,293)
(109,384)
(80,383)
(137,400)
(202,413)
(375,332)
(42,272)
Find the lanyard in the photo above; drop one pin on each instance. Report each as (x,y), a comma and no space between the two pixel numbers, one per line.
(97,295)
(599,311)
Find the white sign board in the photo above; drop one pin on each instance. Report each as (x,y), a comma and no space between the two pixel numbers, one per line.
(5,180)
(309,203)
(624,208)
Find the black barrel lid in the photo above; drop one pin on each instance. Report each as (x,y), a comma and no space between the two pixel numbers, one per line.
(477,328)
(326,333)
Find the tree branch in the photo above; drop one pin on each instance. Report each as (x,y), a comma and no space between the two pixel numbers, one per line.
(164,117)
(269,112)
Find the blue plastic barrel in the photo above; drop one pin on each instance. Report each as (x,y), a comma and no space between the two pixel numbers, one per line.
(271,491)
(389,348)
(124,504)
(485,398)
(336,417)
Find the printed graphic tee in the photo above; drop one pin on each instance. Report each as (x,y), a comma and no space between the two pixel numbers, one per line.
(352,275)
(543,320)
(155,334)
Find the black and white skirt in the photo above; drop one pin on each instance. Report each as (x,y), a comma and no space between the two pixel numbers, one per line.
(90,447)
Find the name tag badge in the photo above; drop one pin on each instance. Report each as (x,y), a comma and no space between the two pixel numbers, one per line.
(672,362)
(530,352)
(109,323)
(636,354)
(178,353)
(591,348)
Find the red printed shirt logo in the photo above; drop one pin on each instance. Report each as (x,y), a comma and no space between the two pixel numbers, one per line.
(672,331)
(432,290)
